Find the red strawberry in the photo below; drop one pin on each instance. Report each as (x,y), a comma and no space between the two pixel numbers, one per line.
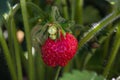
(60,51)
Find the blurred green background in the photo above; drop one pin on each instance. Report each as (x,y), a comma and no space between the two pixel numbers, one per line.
(83,16)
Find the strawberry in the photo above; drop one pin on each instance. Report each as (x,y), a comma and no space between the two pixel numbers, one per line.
(60,51)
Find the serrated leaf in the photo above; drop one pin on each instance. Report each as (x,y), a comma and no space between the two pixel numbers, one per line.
(81,75)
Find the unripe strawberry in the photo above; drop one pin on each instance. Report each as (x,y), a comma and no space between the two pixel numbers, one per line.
(60,51)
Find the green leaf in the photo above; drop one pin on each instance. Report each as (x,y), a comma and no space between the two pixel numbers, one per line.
(115,3)
(4,9)
(81,75)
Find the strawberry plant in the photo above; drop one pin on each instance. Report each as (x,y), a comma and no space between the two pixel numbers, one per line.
(59,39)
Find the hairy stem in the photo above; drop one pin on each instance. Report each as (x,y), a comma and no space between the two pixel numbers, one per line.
(111,17)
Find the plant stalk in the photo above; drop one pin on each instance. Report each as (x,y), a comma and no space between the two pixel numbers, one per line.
(114,52)
(8,56)
(65,9)
(100,25)
(17,51)
(58,72)
(72,9)
(100,41)
(28,40)
(79,12)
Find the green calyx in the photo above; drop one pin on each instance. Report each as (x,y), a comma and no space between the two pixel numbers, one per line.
(52,29)
(55,30)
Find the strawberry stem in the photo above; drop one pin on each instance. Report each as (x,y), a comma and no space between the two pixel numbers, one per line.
(54,13)
(60,28)
(58,72)
(63,32)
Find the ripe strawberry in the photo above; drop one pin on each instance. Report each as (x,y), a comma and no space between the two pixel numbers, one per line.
(60,51)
